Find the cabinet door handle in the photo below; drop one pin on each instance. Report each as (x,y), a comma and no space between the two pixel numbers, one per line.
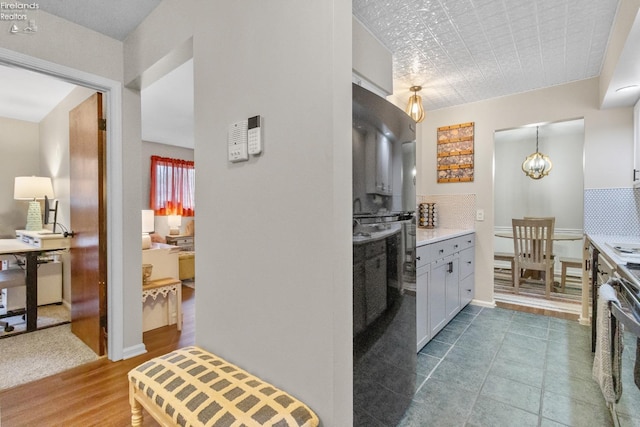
(469,262)
(634,174)
(450,267)
(417,258)
(441,251)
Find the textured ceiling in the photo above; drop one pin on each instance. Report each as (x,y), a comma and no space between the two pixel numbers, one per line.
(114,18)
(463,51)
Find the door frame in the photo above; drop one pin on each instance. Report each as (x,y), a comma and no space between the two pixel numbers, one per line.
(115,186)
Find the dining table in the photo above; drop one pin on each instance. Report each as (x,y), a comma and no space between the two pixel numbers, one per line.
(554,236)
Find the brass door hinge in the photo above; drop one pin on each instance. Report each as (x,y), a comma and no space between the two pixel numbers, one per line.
(102,124)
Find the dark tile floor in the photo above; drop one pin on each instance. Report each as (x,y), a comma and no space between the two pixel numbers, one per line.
(498,367)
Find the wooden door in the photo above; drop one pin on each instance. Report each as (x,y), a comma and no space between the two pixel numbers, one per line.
(87,154)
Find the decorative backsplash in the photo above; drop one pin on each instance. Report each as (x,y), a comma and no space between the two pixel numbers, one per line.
(454,210)
(613,211)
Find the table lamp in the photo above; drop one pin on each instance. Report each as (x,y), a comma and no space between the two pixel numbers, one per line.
(147,227)
(33,188)
(174,222)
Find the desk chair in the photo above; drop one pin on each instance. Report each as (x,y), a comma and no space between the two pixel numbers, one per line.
(533,249)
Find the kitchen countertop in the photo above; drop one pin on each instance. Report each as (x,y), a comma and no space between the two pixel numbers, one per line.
(603,244)
(426,236)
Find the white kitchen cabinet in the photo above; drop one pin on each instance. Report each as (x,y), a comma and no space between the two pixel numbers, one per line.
(423,272)
(444,283)
(467,275)
(438,294)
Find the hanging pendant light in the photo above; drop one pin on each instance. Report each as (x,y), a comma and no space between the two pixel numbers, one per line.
(415,108)
(537,165)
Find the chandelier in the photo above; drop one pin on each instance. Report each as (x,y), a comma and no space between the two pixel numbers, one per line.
(537,165)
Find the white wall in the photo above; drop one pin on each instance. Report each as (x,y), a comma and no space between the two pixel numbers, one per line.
(274,231)
(608,141)
(19,147)
(560,194)
(277,228)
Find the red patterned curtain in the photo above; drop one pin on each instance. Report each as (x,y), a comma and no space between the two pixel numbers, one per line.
(172,186)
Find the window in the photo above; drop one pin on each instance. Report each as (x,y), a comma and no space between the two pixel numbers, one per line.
(172,186)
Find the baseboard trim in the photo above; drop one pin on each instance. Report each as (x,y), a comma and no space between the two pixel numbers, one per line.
(488,304)
(133,351)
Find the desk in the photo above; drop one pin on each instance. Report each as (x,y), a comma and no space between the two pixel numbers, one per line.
(17,247)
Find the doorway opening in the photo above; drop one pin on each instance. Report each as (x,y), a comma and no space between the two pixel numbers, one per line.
(559,195)
(168,191)
(114,186)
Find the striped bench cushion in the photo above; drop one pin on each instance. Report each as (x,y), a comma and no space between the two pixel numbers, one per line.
(196,388)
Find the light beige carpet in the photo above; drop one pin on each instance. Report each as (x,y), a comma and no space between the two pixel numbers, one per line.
(48,315)
(28,357)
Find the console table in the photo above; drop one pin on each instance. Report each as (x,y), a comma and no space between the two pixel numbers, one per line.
(164,287)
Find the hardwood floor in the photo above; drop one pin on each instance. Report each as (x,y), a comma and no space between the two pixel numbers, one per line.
(96,393)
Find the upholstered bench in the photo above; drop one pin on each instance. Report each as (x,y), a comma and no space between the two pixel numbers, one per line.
(186,265)
(192,387)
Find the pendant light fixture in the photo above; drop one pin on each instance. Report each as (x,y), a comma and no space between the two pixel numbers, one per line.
(415,108)
(537,165)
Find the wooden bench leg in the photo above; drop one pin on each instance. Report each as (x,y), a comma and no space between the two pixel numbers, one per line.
(136,408)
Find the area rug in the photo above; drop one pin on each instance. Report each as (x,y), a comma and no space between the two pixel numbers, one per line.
(39,354)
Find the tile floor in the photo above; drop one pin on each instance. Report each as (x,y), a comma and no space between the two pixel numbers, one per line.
(498,367)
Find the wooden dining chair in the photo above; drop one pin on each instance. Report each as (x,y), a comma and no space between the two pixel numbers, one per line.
(552,218)
(533,249)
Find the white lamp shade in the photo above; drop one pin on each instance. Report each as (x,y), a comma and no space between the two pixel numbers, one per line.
(174,220)
(32,188)
(148,221)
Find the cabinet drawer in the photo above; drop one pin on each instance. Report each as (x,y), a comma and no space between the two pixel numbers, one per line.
(444,248)
(375,248)
(465,242)
(423,255)
(467,264)
(467,290)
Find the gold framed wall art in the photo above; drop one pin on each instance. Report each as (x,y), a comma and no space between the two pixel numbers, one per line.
(455,153)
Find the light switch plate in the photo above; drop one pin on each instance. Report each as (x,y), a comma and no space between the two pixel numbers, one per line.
(479,214)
